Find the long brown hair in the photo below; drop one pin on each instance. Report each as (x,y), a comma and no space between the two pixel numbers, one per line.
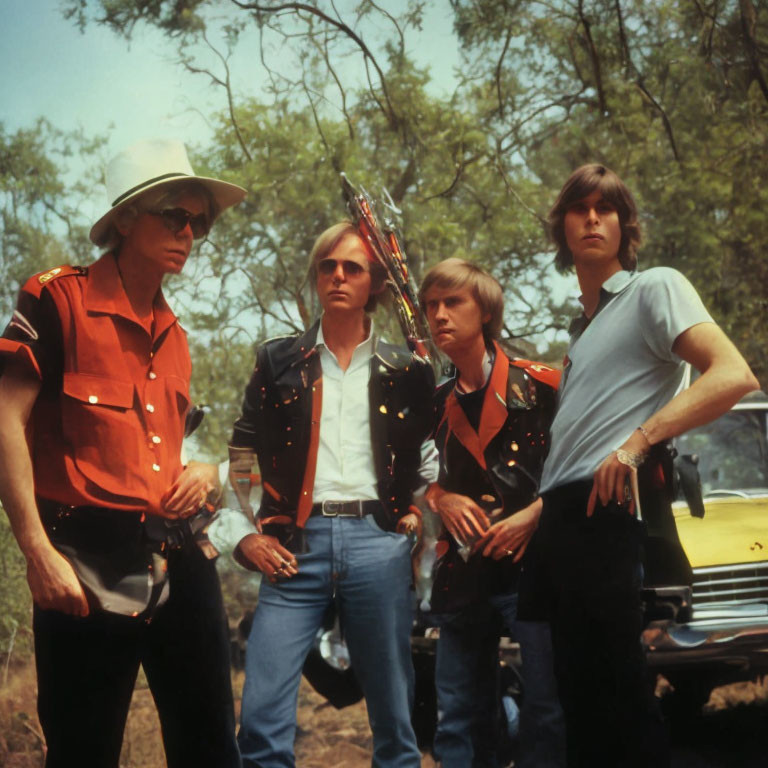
(582,183)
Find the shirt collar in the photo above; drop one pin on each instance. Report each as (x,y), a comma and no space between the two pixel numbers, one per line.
(617,283)
(364,349)
(105,293)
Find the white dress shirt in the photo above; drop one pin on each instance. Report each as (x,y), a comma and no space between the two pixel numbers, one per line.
(345,468)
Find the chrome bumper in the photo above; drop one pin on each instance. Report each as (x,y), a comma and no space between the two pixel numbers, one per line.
(717,633)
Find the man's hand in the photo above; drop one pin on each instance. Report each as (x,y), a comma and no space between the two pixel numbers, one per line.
(257,551)
(461,516)
(512,535)
(410,523)
(54,584)
(191,489)
(614,479)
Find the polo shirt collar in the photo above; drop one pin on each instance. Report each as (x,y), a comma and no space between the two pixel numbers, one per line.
(105,293)
(617,283)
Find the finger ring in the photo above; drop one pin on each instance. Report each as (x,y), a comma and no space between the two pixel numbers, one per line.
(276,571)
(507,551)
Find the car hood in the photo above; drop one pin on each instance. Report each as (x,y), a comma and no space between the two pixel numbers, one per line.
(733,530)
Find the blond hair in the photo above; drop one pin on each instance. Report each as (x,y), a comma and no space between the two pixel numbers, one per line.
(323,247)
(456,273)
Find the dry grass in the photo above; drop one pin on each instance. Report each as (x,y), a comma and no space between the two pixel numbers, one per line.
(737,694)
(326,736)
(21,740)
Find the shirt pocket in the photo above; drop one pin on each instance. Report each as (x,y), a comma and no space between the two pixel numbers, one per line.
(101,426)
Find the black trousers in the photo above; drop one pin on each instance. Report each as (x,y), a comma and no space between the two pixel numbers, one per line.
(584,575)
(87,667)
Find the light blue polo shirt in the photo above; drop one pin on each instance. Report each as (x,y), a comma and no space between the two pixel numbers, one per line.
(620,369)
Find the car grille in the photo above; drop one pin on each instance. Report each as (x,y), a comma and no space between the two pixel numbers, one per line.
(731,584)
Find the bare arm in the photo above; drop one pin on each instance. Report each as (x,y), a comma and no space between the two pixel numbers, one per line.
(725,379)
(51,579)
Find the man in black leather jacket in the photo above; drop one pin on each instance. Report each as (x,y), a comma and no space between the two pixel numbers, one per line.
(492,432)
(337,420)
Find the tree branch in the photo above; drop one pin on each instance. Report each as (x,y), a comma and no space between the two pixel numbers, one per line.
(594,57)
(497,73)
(347,30)
(748,24)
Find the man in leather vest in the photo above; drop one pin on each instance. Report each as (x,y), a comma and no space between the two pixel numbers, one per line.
(492,433)
(93,397)
(336,419)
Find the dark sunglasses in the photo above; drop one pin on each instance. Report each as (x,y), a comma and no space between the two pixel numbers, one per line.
(327,267)
(175,219)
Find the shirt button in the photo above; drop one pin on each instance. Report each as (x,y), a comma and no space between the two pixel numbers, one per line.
(150,407)
(93,399)
(155,439)
(152,375)
(156,467)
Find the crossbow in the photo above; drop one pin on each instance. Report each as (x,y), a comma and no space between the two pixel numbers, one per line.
(384,243)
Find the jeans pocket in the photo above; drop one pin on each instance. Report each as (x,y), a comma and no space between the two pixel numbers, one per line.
(371,520)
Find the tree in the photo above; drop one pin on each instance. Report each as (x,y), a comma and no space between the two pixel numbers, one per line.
(673,97)
(41,224)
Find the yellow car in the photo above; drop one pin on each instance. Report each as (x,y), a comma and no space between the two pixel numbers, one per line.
(718,631)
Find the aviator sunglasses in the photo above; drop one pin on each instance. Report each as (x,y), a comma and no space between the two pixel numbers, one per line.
(175,219)
(327,267)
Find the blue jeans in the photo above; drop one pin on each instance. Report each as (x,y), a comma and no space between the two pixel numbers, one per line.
(368,572)
(466,678)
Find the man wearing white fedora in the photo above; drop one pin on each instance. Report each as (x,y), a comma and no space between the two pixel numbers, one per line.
(94,390)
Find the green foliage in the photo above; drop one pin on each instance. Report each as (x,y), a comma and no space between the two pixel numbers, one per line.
(672,96)
(15,599)
(40,221)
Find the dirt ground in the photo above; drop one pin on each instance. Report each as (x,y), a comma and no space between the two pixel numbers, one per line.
(342,739)
(326,737)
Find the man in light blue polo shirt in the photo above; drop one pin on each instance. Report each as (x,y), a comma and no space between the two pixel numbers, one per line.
(620,400)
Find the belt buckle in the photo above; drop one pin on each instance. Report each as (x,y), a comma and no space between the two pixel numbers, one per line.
(336,508)
(330,508)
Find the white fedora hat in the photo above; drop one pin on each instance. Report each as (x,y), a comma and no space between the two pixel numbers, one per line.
(151,163)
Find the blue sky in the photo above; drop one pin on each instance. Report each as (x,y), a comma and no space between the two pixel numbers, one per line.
(96,80)
(93,79)
(128,90)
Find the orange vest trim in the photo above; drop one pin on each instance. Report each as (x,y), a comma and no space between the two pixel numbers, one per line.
(492,416)
(308,484)
(277,520)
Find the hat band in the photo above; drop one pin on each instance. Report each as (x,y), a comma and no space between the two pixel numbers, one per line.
(147,183)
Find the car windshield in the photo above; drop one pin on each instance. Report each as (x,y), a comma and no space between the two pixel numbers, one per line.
(733,453)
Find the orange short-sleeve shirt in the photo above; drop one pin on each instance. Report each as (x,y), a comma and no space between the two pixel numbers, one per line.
(107,426)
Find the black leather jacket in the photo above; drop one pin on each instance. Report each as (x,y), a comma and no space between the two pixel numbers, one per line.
(280,423)
(500,473)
